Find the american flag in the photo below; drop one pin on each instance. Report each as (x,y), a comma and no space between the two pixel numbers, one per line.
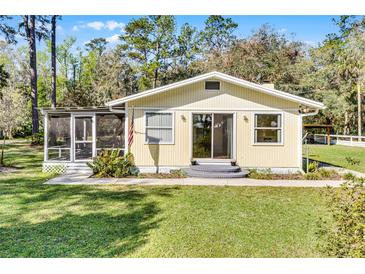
(131,131)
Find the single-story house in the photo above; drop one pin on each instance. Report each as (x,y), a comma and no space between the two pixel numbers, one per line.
(213,118)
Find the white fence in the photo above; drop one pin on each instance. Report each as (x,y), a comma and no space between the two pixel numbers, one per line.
(333,139)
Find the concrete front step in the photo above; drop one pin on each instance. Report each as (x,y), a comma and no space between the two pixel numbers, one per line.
(209,174)
(215,168)
(215,171)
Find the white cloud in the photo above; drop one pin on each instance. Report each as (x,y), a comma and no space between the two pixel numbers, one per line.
(111,25)
(97,25)
(282,30)
(58,27)
(113,39)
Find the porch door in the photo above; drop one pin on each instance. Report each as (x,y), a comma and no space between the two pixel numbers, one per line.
(212,136)
(83,137)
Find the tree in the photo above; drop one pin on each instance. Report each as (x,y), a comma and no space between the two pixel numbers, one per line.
(217,35)
(97,44)
(11,115)
(53,60)
(265,56)
(186,53)
(114,76)
(355,51)
(4,76)
(149,41)
(7,30)
(31,32)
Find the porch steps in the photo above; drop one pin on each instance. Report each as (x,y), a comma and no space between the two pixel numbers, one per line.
(79,168)
(215,171)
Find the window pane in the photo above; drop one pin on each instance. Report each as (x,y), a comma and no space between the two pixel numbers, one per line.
(202,135)
(158,119)
(59,154)
(212,85)
(59,137)
(83,151)
(267,120)
(110,130)
(155,136)
(267,135)
(222,136)
(83,129)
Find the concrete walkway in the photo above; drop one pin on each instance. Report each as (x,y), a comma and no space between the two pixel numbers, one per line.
(84,179)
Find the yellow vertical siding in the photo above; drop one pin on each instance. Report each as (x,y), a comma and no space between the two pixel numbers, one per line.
(241,101)
(176,154)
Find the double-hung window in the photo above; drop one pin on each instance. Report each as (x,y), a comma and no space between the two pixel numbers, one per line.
(159,128)
(268,128)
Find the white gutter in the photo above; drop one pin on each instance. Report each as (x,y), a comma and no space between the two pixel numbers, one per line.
(310,114)
(116,110)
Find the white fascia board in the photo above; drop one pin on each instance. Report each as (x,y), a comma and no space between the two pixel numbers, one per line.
(224,77)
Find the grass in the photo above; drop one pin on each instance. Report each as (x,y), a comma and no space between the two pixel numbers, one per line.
(336,155)
(39,220)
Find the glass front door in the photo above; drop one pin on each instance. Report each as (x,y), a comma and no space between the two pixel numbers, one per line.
(212,135)
(83,136)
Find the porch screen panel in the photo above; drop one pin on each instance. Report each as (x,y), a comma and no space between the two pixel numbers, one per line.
(110,131)
(59,137)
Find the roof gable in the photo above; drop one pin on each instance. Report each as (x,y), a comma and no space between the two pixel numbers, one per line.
(224,77)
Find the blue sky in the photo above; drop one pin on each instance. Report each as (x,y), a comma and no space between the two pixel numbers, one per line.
(310,29)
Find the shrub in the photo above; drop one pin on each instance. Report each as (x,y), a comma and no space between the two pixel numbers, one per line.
(37,139)
(312,176)
(324,173)
(109,163)
(349,176)
(178,173)
(352,161)
(266,174)
(345,235)
(313,166)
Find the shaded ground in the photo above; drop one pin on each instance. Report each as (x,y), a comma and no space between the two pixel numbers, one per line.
(38,220)
(336,155)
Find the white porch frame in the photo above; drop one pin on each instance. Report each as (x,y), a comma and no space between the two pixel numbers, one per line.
(73,135)
(73,115)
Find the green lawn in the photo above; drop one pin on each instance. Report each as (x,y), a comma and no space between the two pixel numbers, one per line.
(336,155)
(39,220)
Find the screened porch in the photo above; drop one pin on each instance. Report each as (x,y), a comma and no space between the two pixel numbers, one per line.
(72,136)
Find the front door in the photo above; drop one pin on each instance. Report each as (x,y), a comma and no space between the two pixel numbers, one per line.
(212,136)
(83,138)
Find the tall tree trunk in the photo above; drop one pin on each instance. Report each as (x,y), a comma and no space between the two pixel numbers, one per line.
(155,77)
(359,122)
(2,151)
(345,129)
(53,60)
(30,33)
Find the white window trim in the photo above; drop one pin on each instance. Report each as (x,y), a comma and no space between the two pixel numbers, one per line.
(213,90)
(172,127)
(253,127)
